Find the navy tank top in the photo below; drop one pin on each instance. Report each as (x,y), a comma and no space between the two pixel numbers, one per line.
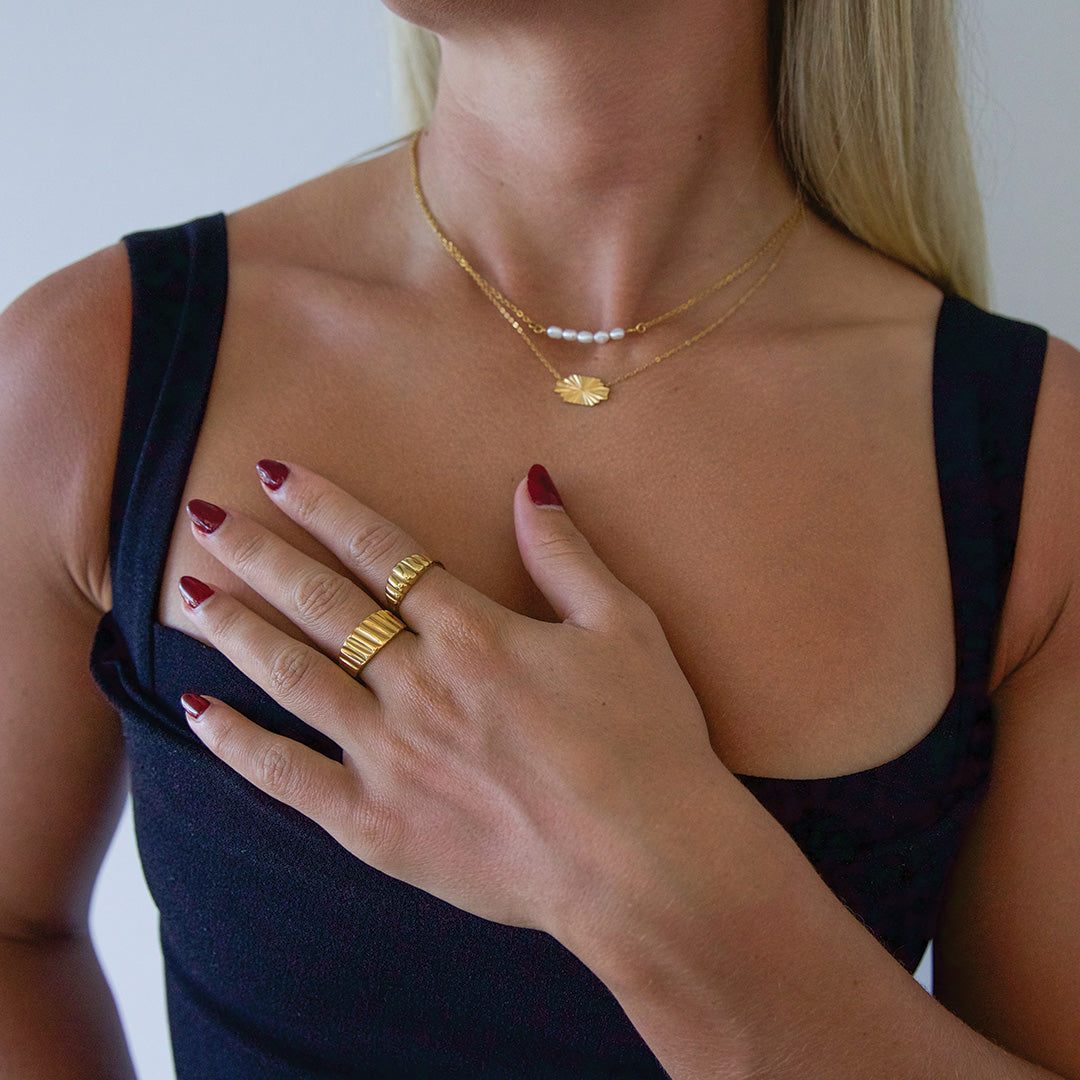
(288,959)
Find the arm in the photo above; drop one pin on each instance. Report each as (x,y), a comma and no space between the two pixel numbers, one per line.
(1007,958)
(63,353)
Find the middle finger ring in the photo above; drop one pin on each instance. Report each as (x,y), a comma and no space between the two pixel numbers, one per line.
(367,639)
(404,576)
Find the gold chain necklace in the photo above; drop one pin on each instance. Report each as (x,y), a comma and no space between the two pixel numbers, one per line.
(587,389)
(557,332)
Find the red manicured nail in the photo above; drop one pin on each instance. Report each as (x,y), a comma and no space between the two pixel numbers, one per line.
(541,489)
(194,591)
(207,516)
(272,473)
(194,705)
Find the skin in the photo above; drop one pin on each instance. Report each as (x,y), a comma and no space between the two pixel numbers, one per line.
(791,455)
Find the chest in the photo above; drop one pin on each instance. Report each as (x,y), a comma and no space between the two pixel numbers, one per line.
(777,509)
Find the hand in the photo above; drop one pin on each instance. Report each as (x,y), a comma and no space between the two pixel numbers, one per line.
(513,767)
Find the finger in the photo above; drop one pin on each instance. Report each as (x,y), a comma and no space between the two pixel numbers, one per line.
(577,584)
(286,770)
(298,677)
(321,602)
(366,542)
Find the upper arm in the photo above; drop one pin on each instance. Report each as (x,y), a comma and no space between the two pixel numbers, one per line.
(63,362)
(1007,954)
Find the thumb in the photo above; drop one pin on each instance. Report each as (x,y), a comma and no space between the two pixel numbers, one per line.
(580,588)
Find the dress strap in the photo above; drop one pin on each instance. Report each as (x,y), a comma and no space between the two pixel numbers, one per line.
(987,372)
(179,279)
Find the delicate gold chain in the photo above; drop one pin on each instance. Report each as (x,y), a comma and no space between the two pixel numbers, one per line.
(587,390)
(715,325)
(503,301)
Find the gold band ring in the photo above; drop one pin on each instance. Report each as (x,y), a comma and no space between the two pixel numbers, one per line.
(367,639)
(404,576)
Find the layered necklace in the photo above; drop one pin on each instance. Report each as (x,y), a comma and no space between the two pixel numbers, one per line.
(587,389)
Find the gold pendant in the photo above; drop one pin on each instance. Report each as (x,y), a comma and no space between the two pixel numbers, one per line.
(582,390)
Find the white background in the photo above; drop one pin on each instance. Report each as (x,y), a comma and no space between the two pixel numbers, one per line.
(128,115)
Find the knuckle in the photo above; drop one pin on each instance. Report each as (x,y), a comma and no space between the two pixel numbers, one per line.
(381,829)
(464,630)
(290,670)
(225,621)
(318,594)
(560,546)
(274,770)
(246,551)
(307,501)
(373,543)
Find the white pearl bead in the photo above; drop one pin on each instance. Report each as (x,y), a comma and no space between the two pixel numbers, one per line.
(601,337)
(618,334)
(554,332)
(585,337)
(569,335)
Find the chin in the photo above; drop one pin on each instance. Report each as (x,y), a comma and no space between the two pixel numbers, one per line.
(443,16)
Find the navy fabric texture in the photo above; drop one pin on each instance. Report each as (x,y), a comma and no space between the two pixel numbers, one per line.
(286,958)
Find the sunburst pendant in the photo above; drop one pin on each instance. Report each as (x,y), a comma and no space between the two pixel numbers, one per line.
(582,390)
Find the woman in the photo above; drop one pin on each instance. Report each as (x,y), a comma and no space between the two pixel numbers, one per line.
(773,662)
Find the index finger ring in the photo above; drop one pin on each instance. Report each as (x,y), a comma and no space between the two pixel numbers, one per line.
(404,576)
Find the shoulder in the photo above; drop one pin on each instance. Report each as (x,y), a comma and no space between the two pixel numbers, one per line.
(1008,947)
(63,369)
(351,223)
(1045,582)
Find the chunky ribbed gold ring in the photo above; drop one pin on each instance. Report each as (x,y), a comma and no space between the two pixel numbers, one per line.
(404,576)
(367,639)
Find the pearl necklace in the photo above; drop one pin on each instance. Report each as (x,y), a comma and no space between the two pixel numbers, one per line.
(586,337)
(587,389)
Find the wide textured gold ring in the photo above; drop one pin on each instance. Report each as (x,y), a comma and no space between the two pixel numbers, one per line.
(404,576)
(367,639)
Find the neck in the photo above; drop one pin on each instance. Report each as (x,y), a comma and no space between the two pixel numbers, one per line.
(598,163)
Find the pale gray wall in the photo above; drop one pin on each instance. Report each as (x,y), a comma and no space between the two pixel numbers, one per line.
(130,115)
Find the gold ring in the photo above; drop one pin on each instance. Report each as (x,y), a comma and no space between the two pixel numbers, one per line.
(367,639)
(404,576)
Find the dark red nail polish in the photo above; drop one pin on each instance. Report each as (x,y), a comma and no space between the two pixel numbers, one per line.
(194,705)
(541,489)
(207,516)
(194,591)
(272,473)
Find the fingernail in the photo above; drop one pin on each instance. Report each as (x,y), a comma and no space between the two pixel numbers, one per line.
(207,516)
(272,473)
(541,489)
(194,591)
(194,705)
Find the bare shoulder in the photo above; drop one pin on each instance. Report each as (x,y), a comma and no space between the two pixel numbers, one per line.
(63,369)
(1046,573)
(1007,953)
(63,363)
(347,222)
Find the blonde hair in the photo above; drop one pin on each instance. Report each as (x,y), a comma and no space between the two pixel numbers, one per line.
(870,118)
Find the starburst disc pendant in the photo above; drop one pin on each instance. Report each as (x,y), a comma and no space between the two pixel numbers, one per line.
(582,390)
